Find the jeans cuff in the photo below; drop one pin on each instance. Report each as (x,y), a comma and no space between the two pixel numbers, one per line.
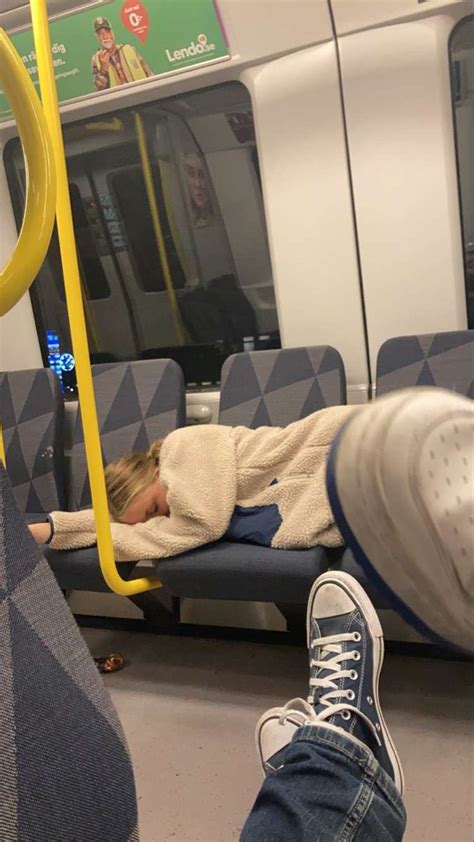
(354,751)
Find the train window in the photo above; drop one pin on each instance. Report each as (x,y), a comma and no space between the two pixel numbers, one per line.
(130,192)
(462,79)
(168,214)
(88,245)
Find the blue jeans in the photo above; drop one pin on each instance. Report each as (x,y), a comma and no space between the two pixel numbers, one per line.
(329,789)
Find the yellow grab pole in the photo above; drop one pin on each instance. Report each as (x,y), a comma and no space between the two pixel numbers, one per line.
(75,308)
(35,235)
(155,217)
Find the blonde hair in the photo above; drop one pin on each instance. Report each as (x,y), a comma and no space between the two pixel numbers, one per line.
(129,476)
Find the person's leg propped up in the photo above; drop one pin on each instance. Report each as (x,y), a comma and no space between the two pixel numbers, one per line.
(401,485)
(332,769)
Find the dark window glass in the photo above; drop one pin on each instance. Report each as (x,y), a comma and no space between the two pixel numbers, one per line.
(93,275)
(208,236)
(130,194)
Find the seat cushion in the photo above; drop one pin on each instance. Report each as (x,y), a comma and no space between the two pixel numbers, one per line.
(226,570)
(222,570)
(79,570)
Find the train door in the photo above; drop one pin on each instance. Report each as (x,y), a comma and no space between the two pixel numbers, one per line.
(397,74)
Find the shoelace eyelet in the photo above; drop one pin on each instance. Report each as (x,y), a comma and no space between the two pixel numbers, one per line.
(356,656)
(353,675)
(377,726)
(345,715)
(350,695)
(357,637)
(370,700)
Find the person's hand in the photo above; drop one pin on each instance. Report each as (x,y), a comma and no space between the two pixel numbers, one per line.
(104,60)
(41,532)
(101,81)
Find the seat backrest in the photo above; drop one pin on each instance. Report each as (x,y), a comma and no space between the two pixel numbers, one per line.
(65,771)
(137,403)
(275,388)
(432,359)
(32,415)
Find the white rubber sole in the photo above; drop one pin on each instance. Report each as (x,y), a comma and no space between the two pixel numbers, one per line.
(401,485)
(372,622)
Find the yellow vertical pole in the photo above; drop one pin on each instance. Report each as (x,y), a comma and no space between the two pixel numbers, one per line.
(2,448)
(39,14)
(155,218)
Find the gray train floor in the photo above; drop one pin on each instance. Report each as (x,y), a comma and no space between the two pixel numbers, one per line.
(189,708)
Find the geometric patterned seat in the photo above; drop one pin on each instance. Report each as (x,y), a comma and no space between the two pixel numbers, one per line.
(259,388)
(436,359)
(137,403)
(275,388)
(65,771)
(32,415)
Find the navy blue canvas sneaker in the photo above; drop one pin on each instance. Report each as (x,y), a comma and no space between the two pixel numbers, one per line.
(346,649)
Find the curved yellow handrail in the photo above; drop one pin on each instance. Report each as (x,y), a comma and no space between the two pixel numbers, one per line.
(35,235)
(75,307)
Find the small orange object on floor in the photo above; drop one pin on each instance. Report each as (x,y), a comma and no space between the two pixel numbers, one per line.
(110,663)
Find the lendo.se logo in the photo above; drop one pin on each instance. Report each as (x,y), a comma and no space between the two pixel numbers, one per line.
(195,48)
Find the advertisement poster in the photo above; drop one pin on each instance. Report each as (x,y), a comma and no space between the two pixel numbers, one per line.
(125,41)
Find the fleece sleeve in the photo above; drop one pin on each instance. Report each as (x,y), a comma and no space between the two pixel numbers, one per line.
(198,467)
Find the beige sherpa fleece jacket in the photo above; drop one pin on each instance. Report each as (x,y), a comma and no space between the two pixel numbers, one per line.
(264,486)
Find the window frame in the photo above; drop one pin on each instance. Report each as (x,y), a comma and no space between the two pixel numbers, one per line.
(460,23)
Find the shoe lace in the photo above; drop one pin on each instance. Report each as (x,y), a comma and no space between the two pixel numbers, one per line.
(331,659)
(299,710)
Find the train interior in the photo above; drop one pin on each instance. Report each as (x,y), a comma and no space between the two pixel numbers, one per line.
(283,228)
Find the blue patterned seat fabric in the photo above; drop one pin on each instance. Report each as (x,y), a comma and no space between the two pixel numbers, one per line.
(275,388)
(32,415)
(137,403)
(65,771)
(432,359)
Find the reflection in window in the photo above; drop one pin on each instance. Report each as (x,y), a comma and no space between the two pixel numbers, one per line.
(87,239)
(129,190)
(462,77)
(198,221)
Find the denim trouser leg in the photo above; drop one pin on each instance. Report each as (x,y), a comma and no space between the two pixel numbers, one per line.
(329,789)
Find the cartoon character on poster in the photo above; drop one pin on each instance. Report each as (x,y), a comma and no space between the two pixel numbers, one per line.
(115,64)
(198,189)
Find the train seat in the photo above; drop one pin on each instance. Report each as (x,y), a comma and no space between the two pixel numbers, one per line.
(64,765)
(262,387)
(436,359)
(433,359)
(273,388)
(277,387)
(32,414)
(137,402)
